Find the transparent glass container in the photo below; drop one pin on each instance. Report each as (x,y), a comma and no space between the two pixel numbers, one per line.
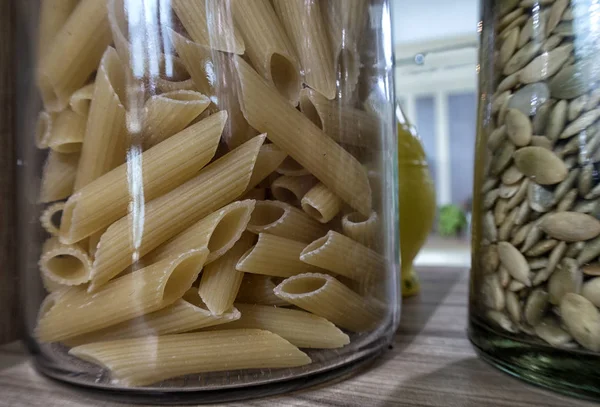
(207,193)
(534,301)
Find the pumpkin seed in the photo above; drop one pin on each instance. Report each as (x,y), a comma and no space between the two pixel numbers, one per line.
(500,211)
(584,121)
(570,82)
(591,269)
(591,291)
(491,293)
(566,279)
(509,46)
(515,285)
(490,198)
(522,57)
(540,198)
(503,158)
(534,236)
(518,127)
(567,202)
(557,120)
(489,227)
(521,234)
(519,196)
(590,251)
(546,65)
(514,262)
(556,12)
(555,256)
(489,184)
(593,100)
(541,165)
(503,276)
(582,320)
(510,18)
(499,100)
(501,320)
(552,42)
(507,225)
(576,107)
(541,141)
(564,187)
(537,264)
(522,213)
(542,247)
(585,180)
(513,306)
(508,191)
(550,331)
(541,117)
(489,259)
(536,306)
(574,249)
(496,138)
(571,226)
(529,98)
(508,82)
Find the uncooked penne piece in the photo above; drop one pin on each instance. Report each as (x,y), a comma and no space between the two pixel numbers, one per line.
(291,189)
(289,166)
(301,328)
(105,131)
(344,256)
(65,264)
(220,34)
(58,177)
(220,85)
(275,256)
(51,286)
(267,111)
(68,130)
(81,99)
(326,297)
(142,361)
(344,124)
(220,281)
(281,219)
(184,315)
(164,167)
(216,185)
(361,228)
(53,15)
(218,232)
(169,113)
(50,218)
(258,289)
(144,291)
(320,203)
(73,54)
(268,47)
(43,129)
(304,24)
(269,158)
(346,21)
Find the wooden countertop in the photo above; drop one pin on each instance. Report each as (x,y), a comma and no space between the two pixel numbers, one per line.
(432,364)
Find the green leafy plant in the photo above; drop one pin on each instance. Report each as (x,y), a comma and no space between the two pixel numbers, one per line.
(451,220)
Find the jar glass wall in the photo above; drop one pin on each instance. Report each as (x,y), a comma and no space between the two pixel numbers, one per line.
(206,191)
(534,297)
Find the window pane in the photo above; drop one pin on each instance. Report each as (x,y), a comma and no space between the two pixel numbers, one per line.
(425,124)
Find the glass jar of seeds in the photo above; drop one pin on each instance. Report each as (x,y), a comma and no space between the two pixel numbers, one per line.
(535,290)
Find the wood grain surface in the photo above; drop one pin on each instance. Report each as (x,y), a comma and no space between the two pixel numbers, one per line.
(432,363)
(9,318)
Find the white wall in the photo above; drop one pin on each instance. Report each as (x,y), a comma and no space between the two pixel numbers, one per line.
(422,20)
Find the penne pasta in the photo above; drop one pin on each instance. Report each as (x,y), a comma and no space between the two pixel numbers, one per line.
(268,47)
(53,15)
(342,255)
(344,124)
(300,328)
(80,100)
(170,113)
(58,177)
(281,219)
(68,130)
(220,85)
(142,361)
(164,167)
(76,312)
(73,54)
(51,286)
(292,132)
(220,281)
(216,185)
(218,232)
(289,166)
(51,216)
(323,295)
(210,24)
(105,130)
(269,158)
(304,25)
(291,189)
(346,21)
(64,264)
(275,256)
(361,228)
(43,129)
(320,203)
(186,314)
(93,241)
(258,289)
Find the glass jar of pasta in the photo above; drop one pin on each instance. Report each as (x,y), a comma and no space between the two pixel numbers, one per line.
(535,294)
(207,194)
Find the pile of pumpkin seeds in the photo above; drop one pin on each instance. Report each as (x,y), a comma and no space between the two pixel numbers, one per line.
(539,255)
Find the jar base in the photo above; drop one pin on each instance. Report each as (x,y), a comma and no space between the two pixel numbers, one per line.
(289,380)
(568,372)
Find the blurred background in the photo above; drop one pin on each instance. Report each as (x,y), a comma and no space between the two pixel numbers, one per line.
(436,83)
